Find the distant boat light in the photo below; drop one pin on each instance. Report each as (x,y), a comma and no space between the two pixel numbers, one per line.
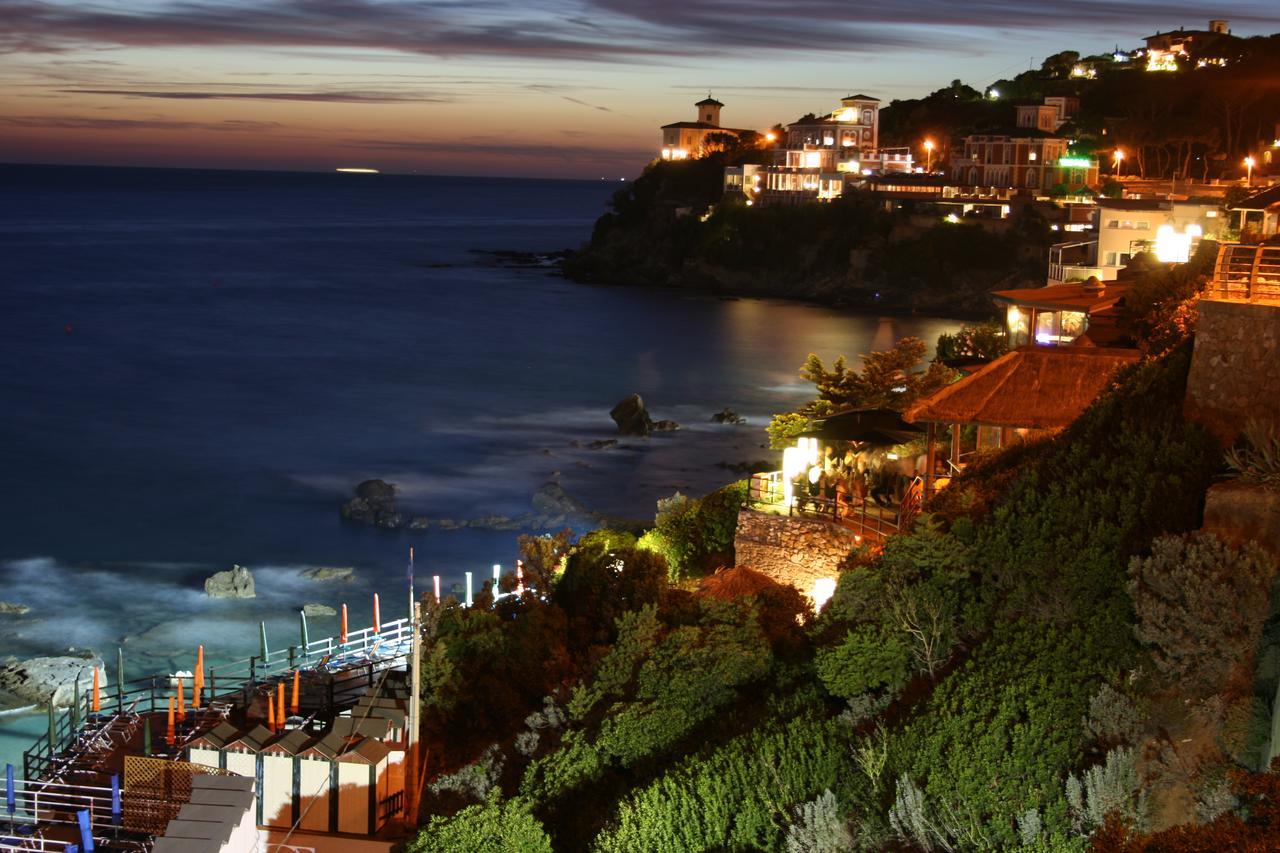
(356,170)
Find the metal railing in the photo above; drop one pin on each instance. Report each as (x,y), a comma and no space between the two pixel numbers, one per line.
(876,522)
(1246,272)
(350,667)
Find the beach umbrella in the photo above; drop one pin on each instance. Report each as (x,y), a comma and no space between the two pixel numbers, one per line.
(75,701)
(168,735)
(182,702)
(197,678)
(297,683)
(146,736)
(53,728)
(280,701)
(10,797)
(435,582)
(305,639)
(342,635)
(97,698)
(262,641)
(271,712)
(116,811)
(377,620)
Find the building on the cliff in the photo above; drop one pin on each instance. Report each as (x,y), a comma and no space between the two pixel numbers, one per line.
(1030,156)
(1182,48)
(1127,227)
(819,156)
(683,140)
(1257,217)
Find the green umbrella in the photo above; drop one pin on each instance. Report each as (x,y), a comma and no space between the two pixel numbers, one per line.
(262,631)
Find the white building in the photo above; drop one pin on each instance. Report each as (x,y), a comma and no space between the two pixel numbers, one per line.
(820,155)
(683,140)
(1126,227)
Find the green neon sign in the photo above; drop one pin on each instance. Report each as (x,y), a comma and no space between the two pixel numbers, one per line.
(1075,162)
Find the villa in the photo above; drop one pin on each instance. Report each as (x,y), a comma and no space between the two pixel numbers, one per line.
(683,140)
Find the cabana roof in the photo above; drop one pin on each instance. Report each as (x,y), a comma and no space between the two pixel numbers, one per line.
(1064,297)
(883,427)
(728,584)
(1031,388)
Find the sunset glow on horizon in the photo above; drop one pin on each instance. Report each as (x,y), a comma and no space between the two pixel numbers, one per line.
(557,89)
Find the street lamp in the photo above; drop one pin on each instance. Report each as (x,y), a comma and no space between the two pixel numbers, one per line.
(1119,158)
(928,153)
(1248,165)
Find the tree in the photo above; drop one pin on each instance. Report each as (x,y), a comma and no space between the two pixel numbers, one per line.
(1200,606)
(543,558)
(599,585)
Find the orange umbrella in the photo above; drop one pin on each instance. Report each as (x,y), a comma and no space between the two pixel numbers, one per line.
(280,701)
(97,699)
(169,732)
(271,712)
(182,705)
(342,635)
(377,621)
(198,679)
(297,679)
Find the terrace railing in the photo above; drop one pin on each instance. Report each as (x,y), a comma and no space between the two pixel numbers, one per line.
(1246,272)
(352,667)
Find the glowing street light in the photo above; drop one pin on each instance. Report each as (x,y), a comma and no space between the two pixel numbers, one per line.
(928,152)
(1119,158)
(1249,163)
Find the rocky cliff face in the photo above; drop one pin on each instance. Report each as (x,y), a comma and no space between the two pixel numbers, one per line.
(235,583)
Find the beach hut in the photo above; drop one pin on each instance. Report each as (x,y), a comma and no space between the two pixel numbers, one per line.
(316,766)
(363,785)
(207,749)
(278,797)
(240,754)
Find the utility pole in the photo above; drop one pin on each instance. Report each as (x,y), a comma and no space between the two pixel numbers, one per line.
(412,758)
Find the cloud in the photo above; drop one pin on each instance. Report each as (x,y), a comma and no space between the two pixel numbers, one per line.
(324,97)
(91,123)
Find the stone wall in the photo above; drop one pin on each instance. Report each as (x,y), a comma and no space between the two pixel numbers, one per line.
(1238,512)
(798,551)
(1235,372)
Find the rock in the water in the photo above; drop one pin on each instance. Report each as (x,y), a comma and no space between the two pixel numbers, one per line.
(237,583)
(313,609)
(727,416)
(38,679)
(12,609)
(603,444)
(419,522)
(631,417)
(665,426)
(330,573)
(374,503)
(552,501)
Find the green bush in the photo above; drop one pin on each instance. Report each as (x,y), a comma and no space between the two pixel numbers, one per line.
(495,826)
(740,796)
(869,658)
(696,534)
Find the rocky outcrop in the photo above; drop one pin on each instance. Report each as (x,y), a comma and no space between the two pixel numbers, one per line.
(236,583)
(9,608)
(631,416)
(38,679)
(374,503)
(313,609)
(727,416)
(665,426)
(330,573)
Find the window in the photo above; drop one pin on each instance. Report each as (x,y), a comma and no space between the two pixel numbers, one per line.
(1143,226)
(1113,223)
(1109,259)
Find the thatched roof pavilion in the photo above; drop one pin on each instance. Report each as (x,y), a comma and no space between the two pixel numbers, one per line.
(1032,390)
(1041,388)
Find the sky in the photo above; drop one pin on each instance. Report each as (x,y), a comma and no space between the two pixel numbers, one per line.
(530,88)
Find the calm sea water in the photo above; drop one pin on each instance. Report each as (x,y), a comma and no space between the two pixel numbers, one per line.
(197,367)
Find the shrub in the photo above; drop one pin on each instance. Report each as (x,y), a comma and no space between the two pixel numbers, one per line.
(475,780)
(1256,457)
(868,659)
(819,828)
(1110,791)
(494,826)
(981,341)
(731,799)
(691,534)
(1200,607)
(1113,719)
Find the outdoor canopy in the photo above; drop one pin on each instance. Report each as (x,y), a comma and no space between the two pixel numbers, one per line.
(881,427)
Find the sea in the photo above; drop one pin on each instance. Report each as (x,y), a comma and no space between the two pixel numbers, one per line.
(197,368)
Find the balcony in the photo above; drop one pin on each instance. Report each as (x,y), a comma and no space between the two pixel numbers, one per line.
(1245,273)
(1074,261)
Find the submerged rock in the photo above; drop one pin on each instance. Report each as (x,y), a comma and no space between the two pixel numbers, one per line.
(665,426)
(12,609)
(330,573)
(374,503)
(631,416)
(51,679)
(313,609)
(236,583)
